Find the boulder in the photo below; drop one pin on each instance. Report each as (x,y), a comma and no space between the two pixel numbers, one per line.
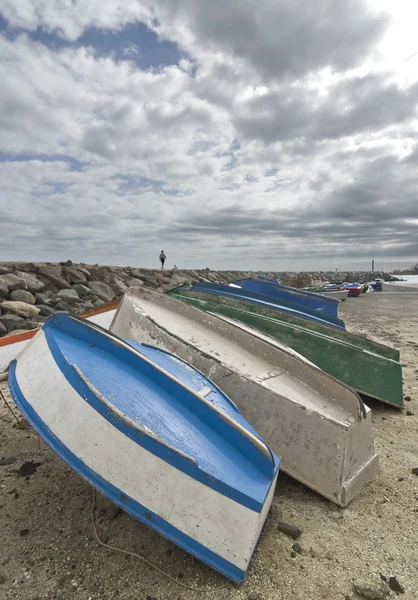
(12,282)
(3,329)
(45,299)
(98,302)
(12,322)
(85,307)
(101,273)
(69,296)
(63,306)
(102,290)
(119,286)
(132,282)
(85,272)
(28,267)
(54,275)
(33,284)
(21,309)
(82,290)
(4,290)
(74,275)
(22,296)
(4,270)
(46,311)
(175,282)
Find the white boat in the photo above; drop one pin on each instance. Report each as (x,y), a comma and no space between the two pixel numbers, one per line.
(320,428)
(338,294)
(153,435)
(11,345)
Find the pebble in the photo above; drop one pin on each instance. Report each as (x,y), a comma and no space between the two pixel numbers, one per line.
(409,413)
(24,532)
(2,579)
(290,530)
(28,468)
(371,590)
(395,585)
(415,471)
(297,548)
(408,398)
(7,461)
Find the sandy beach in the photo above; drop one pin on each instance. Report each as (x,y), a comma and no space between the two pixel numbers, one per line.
(48,550)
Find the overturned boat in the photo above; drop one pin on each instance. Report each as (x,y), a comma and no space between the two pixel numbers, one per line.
(268,301)
(368,372)
(319,427)
(153,435)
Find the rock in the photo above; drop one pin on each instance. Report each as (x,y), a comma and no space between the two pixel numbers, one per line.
(86,272)
(101,273)
(3,329)
(290,530)
(12,322)
(4,270)
(414,470)
(32,283)
(395,585)
(4,290)
(102,290)
(297,548)
(23,296)
(63,306)
(98,302)
(29,268)
(69,296)
(24,532)
(54,275)
(410,413)
(371,590)
(7,461)
(28,468)
(2,579)
(21,309)
(408,398)
(175,282)
(68,263)
(44,299)
(82,290)
(119,286)
(133,282)
(46,311)
(12,282)
(74,275)
(254,596)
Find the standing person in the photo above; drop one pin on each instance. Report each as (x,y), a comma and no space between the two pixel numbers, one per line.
(162,258)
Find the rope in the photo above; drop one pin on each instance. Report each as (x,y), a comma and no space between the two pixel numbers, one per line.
(9,407)
(143,559)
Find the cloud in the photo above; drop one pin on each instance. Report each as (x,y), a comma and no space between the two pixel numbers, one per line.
(284,136)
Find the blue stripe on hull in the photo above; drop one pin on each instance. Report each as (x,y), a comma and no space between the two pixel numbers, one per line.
(257,484)
(130,505)
(263,300)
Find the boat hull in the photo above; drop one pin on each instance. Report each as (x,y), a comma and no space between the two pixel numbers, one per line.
(357,341)
(369,374)
(102,447)
(266,301)
(306,300)
(318,427)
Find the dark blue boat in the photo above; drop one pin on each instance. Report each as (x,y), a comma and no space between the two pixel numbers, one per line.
(233,291)
(327,306)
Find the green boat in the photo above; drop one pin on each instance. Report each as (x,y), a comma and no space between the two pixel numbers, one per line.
(370,368)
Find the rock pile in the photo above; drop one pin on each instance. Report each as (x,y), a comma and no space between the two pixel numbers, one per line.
(30,293)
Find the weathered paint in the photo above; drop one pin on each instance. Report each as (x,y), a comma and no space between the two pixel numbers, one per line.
(233,291)
(321,304)
(138,433)
(344,336)
(368,373)
(318,426)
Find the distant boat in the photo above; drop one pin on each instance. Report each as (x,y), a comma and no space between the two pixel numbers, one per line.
(330,292)
(367,372)
(235,291)
(319,427)
(153,435)
(285,294)
(354,289)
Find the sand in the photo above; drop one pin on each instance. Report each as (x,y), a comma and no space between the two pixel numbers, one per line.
(48,551)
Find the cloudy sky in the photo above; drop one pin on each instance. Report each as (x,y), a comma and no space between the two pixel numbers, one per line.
(259,134)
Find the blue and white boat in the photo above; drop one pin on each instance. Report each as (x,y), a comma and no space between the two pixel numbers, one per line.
(307,300)
(297,310)
(152,434)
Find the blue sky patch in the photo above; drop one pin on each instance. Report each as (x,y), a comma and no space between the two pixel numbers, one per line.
(135,42)
(73,163)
